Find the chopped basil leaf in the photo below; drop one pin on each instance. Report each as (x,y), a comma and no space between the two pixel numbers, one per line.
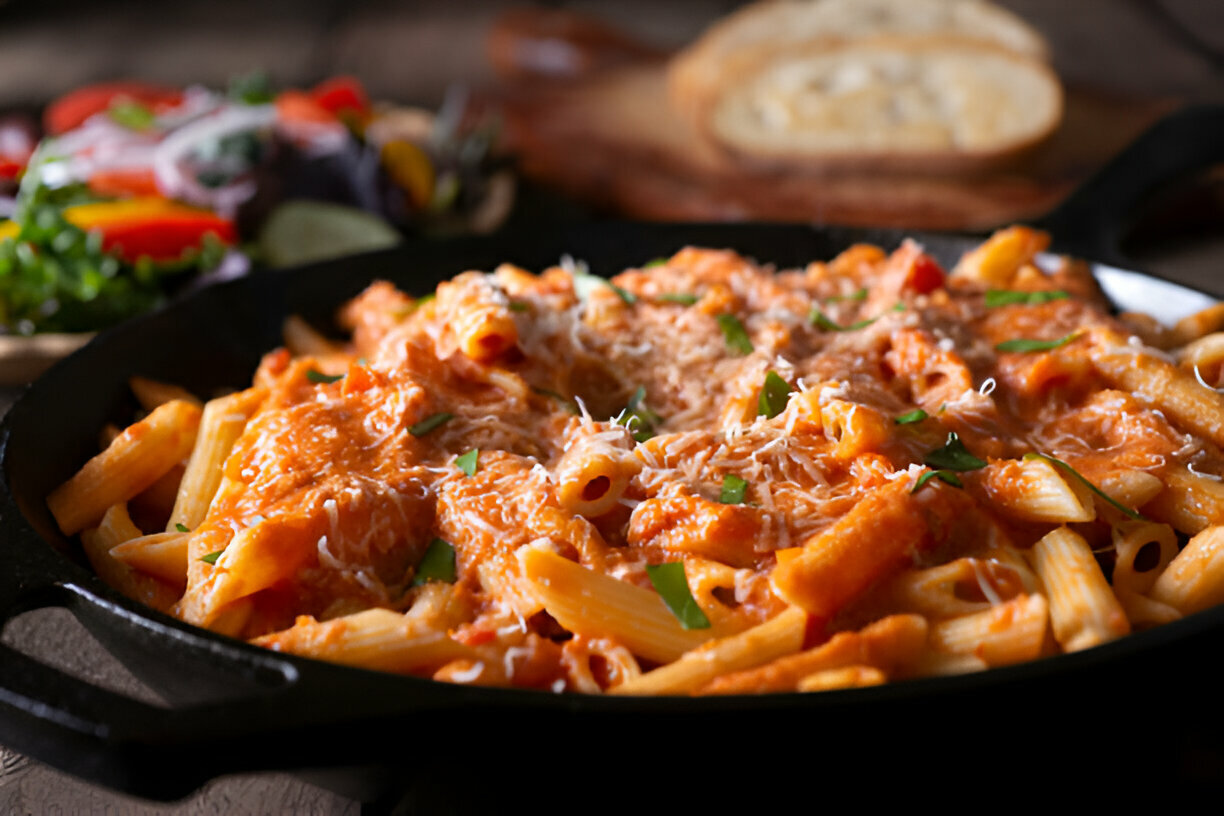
(734,333)
(468,462)
(640,420)
(585,283)
(320,377)
(819,319)
(733,488)
(669,581)
(775,393)
(1023,345)
(916,415)
(943,475)
(953,456)
(654,263)
(438,564)
(1134,514)
(859,295)
(132,115)
(212,557)
(182,528)
(429,423)
(1008,297)
(898,307)
(518,306)
(683,298)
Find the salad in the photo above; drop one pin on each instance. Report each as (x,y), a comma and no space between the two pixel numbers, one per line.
(136,191)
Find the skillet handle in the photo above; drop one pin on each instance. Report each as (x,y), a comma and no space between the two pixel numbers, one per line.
(1093,220)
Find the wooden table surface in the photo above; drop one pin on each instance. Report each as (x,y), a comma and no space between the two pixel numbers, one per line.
(1127,47)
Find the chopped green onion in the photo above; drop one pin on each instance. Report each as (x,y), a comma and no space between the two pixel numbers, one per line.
(1023,345)
(916,415)
(212,557)
(429,423)
(468,462)
(438,564)
(320,377)
(943,475)
(775,393)
(683,298)
(734,333)
(821,320)
(733,488)
(182,528)
(953,456)
(1008,297)
(672,585)
(1134,514)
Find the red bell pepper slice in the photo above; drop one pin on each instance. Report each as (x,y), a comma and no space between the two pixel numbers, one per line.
(73,108)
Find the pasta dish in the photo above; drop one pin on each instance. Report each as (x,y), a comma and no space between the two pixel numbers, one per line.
(702,476)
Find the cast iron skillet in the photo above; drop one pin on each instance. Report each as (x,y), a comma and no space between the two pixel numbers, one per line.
(234,707)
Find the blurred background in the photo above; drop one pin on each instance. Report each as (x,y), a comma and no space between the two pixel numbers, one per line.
(1123,63)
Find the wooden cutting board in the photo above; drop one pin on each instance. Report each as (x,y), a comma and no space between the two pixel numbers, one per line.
(606,135)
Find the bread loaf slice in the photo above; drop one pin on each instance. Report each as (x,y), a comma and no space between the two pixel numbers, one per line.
(937,103)
(716,56)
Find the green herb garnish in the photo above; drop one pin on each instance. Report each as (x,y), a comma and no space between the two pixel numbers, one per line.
(468,462)
(1134,514)
(1023,345)
(683,298)
(916,415)
(953,456)
(943,475)
(672,585)
(734,334)
(518,306)
(861,294)
(1008,297)
(251,89)
(131,114)
(821,320)
(569,406)
(640,420)
(585,283)
(182,528)
(320,377)
(733,488)
(775,393)
(438,564)
(429,423)
(654,263)
(212,557)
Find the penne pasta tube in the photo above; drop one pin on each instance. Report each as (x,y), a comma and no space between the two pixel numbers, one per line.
(593,473)
(1143,551)
(98,543)
(782,634)
(844,677)
(152,393)
(1083,609)
(893,645)
(303,340)
(1034,490)
(376,639)
(136,459)
(1161,384)
(163,555)
(595,605)
(1190,501)
(1194,580)
(221,423)
(1010,632)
